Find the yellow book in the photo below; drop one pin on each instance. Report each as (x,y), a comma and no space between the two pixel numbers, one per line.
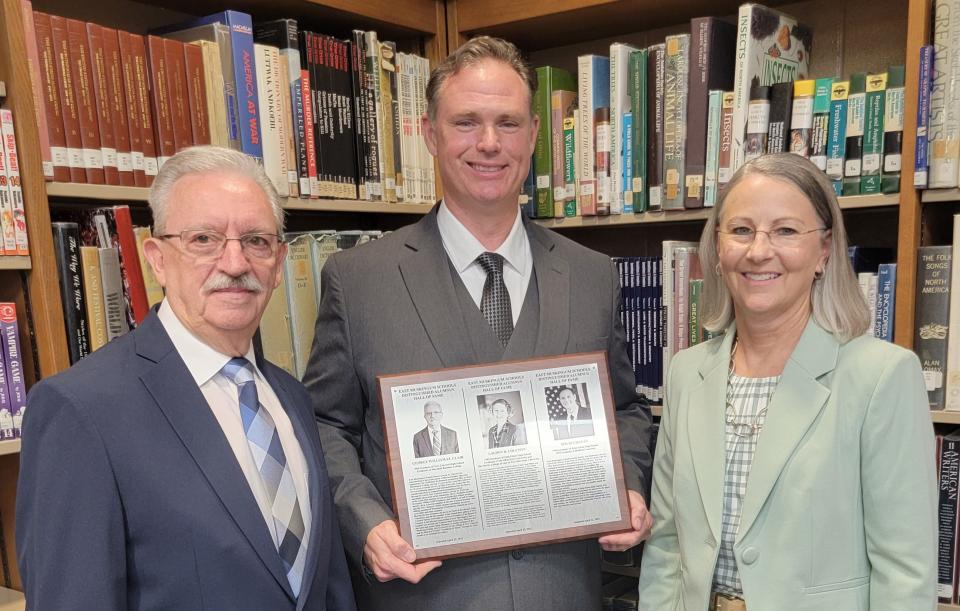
(301,297)
(216,103)
(275,336)
(93,295)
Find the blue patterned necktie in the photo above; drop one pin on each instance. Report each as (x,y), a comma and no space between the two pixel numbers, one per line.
(264,443)
(495,302)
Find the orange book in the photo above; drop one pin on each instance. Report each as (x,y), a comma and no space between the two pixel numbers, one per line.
(197,90)
(177,93)
(82,72)
(68,99)
(142,77)
(121,112)
(101,100)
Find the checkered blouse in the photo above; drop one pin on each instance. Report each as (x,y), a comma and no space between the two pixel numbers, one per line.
(746,411)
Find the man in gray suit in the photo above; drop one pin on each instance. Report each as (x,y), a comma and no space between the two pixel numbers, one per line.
(471,283)
(434,439)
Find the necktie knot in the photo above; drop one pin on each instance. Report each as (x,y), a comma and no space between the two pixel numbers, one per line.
(238,370)
(491,262)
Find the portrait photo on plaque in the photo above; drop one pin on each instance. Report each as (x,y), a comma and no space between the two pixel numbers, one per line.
(504,455)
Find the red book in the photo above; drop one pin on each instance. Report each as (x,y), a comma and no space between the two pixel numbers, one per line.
(68,99)
(36,82)
(50,96)
(119,109)
(173,53)
(102,103)
(197,93)
(113,227)
(128,68)
(160,100)
(141,72)
(82,73)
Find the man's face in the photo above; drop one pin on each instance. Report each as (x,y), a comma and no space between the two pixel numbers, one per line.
(482,136)
(433,414)
(500,413)
(568,401)
(220,300)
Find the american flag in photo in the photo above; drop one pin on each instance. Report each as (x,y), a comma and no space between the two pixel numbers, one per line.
(554,409)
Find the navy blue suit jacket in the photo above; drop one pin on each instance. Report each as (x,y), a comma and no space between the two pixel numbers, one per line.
(130,498)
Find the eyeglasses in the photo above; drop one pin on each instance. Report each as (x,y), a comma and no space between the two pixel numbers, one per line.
(208,244)
(781,237)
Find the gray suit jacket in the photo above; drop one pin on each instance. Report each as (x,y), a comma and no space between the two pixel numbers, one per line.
(391,306)
(423,445)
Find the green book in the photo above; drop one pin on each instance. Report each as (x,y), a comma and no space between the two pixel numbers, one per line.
(638,108)
(853,154)
(549,79)
(892,130)
(873,133)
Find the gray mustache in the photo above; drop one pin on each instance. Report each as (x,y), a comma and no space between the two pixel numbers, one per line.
(246,282)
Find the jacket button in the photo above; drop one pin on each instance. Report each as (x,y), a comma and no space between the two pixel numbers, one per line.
(750,555)
(517,554)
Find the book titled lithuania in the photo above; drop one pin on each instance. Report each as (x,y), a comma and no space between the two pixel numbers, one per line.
(772,47)
(244,69)
(13,361)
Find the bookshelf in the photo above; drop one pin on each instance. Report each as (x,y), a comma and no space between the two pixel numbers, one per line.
(943,607)
(11,446)
(14,263)
(11,600)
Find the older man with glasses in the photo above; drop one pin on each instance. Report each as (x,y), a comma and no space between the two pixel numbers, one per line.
(173,468)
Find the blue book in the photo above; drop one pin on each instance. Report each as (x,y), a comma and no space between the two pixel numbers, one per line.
(886,300)
(626,176)
(245,72)
(922,162)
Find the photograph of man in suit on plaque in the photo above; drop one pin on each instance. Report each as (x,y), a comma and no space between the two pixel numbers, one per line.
(434,439)
(569,410)
(504,413)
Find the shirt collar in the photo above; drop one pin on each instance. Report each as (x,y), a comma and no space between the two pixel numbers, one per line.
(201,360)
(463,247)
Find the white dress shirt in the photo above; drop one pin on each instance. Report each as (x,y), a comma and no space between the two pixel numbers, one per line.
(223,397)
(463,249)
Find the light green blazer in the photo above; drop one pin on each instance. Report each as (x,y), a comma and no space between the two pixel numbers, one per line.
(841,505)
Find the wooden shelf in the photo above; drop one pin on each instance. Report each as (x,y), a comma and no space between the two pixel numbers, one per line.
(943,607)
(940,195)
(11,446)
(944,417)
(852,202)
(11,600)
(14,262)
(111,193)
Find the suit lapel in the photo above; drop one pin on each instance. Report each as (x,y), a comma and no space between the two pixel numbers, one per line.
(553,286)
(426,273)
(189,415)
(796,403)
(305,430)
(706,430)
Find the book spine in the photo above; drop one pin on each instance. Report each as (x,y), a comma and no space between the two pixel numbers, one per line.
(6,403)
(801,119)
(893,130)
(68,99)
(150,282)
(933,313)
(301,298)
(619,107)
(12,168)
(151,161)
(36,82)
(196,94)
(819,138)
(50,97)
(570,163)
(675,121)
(269,116)
(952,384)
(288,150)
(385,103)
(638,109)
(873,134)
(627,163)
(177,93)
(586,177)
(101,103)
(129,262)
(93,296)
(395,107)
(82,73)
(741,88)
(949,483)
(113,305)
(128,66)
(561,104)
(120,113)
(922,145)
(655,67)
(944,123)
(725,159)
(10,332)
(602,147)
(363,136)
(542,151)
(758,121)
(856,114)
(837,145)
(66,242)
(245,75)
(8,244)
(160,100)
(781,103)
(713,148)
(886,295)
(374,111)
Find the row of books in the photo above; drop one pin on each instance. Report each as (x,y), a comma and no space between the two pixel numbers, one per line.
(328,117)
(13,219)
(13,390)
(937,162)
(948,471)
(288,323)
(667,126)
(106,285)
(937,311)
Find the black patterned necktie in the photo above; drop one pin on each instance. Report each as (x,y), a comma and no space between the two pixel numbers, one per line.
(495,303)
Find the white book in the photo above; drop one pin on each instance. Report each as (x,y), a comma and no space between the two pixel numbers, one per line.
(619,106)
(670,247)
(944,127)
(11,166)
(267,71)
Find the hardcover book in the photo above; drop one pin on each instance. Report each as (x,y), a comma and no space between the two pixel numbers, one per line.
(819,137)
(772,47)
(66,244)
(892,131)
(550,80)
(16,385)
(619,107)
(856,114)
(921,163)
(933,318)
(873,133)
(639,62)
(93,296)
(675,121)
(778,130)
